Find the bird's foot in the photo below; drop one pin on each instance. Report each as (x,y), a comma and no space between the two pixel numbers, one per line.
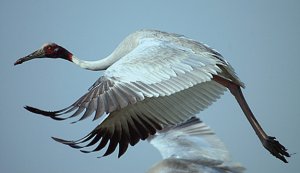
(275,148)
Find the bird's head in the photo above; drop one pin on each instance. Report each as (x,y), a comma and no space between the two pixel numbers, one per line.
(48,50)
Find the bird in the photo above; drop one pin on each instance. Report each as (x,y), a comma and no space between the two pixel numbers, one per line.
(191,147)
(153,79)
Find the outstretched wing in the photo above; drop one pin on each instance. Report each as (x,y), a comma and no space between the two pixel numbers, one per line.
(192,140)
(138,121)
(158,83)
(192,143)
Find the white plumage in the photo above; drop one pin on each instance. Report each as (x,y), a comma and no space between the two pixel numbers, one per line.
(191,147)
(153,79)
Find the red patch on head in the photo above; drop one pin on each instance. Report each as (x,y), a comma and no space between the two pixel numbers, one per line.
(69,57)
(53,50)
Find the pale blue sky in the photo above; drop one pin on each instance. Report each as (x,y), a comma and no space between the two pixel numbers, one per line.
(259,38)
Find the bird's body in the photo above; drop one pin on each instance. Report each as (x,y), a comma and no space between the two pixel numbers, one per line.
(191,147)
(153,79)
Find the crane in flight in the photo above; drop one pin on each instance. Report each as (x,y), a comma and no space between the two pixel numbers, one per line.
(191,147)
(153,79)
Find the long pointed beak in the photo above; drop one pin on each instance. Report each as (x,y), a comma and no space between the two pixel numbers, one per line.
(37,54)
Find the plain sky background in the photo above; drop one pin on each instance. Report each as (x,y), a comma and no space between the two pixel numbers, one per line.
(259,38)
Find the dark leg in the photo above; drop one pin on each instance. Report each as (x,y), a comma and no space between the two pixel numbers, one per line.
(272,145)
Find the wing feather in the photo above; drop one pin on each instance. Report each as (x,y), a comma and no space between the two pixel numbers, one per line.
(192,146)
(144,118)
(100,107)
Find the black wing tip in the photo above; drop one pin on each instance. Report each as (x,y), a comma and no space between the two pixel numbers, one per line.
(53,115)
(60,140)
(85,151)
(32,109)
(72,144)
(120,154)
(39,111)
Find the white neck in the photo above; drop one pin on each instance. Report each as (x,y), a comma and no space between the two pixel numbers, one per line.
(127,45)
(101,64)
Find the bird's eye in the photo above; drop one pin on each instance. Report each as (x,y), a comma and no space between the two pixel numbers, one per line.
(49,47)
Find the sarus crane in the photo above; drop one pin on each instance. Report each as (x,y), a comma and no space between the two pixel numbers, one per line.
(153,79)
(191,147)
